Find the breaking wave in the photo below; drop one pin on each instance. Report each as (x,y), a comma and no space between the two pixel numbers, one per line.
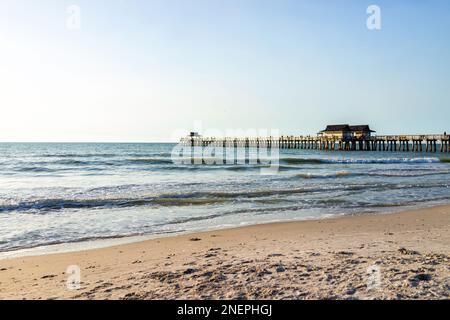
(41,205)
(361,161)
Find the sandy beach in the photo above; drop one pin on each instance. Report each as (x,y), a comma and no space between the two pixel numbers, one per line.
(387,256)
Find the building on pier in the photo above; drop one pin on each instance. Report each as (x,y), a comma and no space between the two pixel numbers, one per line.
(336,131)
(346,132)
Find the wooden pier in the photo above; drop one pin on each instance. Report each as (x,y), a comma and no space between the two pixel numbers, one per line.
(401,143)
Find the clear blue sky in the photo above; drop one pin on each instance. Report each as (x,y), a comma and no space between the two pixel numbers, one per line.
(140,70)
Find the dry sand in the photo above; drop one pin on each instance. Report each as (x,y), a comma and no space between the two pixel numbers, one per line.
(392,256)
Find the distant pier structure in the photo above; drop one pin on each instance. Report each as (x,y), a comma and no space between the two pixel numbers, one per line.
(341,137)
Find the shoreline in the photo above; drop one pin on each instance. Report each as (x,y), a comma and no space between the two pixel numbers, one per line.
(325,258)
(102,243)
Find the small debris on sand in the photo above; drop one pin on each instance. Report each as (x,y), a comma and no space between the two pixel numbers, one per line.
(190,271)
(422,277)
(408,252)
(280,268)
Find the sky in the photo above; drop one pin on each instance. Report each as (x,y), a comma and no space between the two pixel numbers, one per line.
(145,70)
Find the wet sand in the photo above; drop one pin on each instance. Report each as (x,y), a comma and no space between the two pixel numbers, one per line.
(392,256)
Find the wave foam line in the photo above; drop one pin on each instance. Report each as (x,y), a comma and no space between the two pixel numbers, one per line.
(362,161)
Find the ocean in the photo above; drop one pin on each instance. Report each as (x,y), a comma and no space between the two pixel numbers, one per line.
(57,193)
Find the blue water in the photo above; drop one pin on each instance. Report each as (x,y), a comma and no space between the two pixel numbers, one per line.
(59,193)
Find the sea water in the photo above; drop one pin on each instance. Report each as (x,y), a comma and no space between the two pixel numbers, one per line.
(64,193)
